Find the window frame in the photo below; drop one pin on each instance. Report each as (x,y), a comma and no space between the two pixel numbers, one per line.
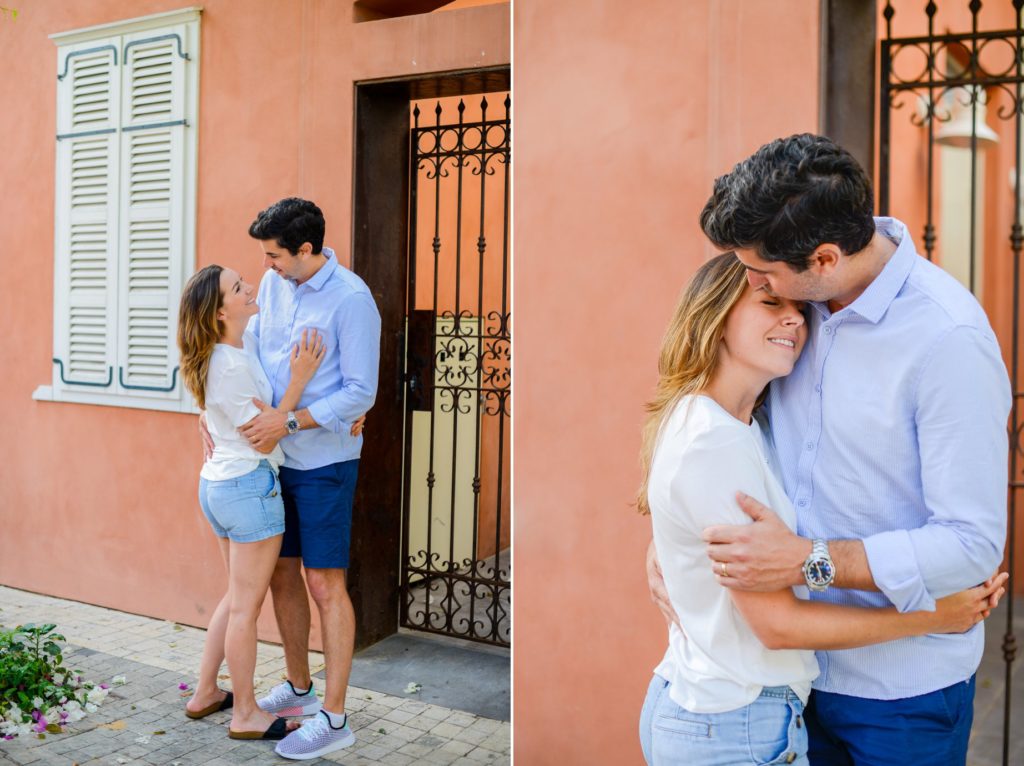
(186,22)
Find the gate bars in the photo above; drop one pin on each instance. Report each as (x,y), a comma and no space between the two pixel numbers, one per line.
(458,370)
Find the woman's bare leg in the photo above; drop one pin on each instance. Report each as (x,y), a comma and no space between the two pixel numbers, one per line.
(206,692)
(250,570)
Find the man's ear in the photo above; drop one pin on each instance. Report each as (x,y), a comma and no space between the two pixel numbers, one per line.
(825,259)
(305,250)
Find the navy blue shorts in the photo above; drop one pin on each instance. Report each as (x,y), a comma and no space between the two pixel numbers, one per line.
(927,730)
(318,514)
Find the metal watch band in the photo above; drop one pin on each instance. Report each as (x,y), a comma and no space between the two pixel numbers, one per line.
(819,570)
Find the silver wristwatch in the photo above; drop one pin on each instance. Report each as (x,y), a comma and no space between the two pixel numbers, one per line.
(292,424)
(819,571)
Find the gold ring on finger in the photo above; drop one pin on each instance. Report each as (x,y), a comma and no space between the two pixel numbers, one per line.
(725,571)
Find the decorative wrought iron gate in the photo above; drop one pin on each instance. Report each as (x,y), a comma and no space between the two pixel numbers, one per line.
(950,80)
(456,572)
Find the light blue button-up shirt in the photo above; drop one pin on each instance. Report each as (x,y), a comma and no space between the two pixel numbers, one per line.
(338,304)
(892,429)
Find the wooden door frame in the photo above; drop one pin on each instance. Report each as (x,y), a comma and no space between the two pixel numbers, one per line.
(849,31)
(380,242)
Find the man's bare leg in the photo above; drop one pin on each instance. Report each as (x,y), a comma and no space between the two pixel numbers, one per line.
(291,608)
(329,589)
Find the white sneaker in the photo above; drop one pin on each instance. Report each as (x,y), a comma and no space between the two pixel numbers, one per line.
(316,737)
(283,700)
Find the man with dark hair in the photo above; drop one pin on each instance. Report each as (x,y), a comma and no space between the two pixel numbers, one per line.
(305,287)
(891,435)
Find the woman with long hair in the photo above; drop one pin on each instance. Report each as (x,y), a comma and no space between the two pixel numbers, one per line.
(737,672)
(239,491)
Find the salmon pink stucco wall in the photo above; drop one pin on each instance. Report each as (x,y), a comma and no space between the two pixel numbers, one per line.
(98,503)
(625,113)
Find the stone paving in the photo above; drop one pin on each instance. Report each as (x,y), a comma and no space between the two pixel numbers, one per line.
(142,722)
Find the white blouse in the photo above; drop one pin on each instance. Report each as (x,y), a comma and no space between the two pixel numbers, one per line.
(235,377)
(703,457)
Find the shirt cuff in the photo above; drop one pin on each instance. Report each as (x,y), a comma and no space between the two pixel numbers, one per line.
(322,413)
(895,571)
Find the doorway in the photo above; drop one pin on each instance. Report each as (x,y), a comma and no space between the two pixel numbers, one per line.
(431,240)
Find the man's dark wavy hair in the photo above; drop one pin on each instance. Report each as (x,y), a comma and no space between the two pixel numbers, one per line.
(291,222)
(789,197)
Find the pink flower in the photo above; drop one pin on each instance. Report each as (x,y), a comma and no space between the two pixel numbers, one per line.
(183,687)
(41,725)
(8,736)
(104,686)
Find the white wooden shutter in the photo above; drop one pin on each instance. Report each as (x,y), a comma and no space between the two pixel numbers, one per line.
(152,229)
(86,217)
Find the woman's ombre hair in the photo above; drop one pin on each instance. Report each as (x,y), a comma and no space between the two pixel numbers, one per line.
(199,330)
(689,352)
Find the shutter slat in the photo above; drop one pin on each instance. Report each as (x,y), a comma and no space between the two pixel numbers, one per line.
(90,83)
(152,82)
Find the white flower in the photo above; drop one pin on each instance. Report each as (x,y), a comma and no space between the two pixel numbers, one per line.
(37,703)
(119,681)
(97,695)
(75,715)
(91,708)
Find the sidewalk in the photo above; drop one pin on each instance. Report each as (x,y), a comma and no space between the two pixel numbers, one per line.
(143,721)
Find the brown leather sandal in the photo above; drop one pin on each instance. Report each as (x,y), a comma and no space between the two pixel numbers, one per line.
(224,704)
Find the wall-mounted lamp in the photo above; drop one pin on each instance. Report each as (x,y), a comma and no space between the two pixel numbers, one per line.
(957,132)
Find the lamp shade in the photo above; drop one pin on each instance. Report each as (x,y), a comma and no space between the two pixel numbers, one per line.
(957,132)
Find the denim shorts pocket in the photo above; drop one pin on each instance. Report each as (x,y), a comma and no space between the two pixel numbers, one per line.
(265,482)
(682,726)
(768,724)
(672,718)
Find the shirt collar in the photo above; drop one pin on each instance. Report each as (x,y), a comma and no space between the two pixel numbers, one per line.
(319,279)
(879,295)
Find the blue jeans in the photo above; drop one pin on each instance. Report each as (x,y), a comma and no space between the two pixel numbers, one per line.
(927,730)
(770,730)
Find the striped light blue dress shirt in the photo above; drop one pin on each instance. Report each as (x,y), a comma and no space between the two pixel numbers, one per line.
(339,304)
(892,429)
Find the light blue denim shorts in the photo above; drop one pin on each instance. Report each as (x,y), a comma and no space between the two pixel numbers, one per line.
(244,509)
(770,730)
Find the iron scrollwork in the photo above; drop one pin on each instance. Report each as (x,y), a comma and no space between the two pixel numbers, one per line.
(465,365)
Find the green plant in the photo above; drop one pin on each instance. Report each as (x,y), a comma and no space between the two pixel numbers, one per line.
(37,693)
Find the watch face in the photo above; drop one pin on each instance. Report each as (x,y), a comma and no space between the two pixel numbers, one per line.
(820,571)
